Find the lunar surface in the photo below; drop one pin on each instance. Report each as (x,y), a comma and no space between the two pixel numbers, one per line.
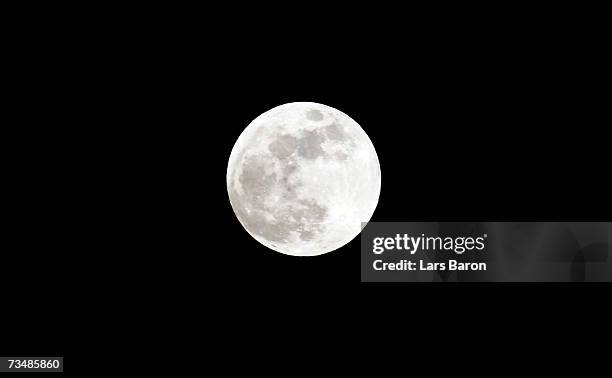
(302,178)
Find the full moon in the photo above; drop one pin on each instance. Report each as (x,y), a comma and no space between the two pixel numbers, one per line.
(302,178)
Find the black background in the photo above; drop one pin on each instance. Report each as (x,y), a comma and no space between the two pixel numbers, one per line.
(123,229)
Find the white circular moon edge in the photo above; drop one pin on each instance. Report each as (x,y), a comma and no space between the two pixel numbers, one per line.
(302,178)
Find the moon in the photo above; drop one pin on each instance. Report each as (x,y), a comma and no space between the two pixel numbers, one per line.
(302,178)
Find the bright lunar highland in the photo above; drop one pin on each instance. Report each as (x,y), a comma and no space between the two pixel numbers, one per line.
(302,177)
